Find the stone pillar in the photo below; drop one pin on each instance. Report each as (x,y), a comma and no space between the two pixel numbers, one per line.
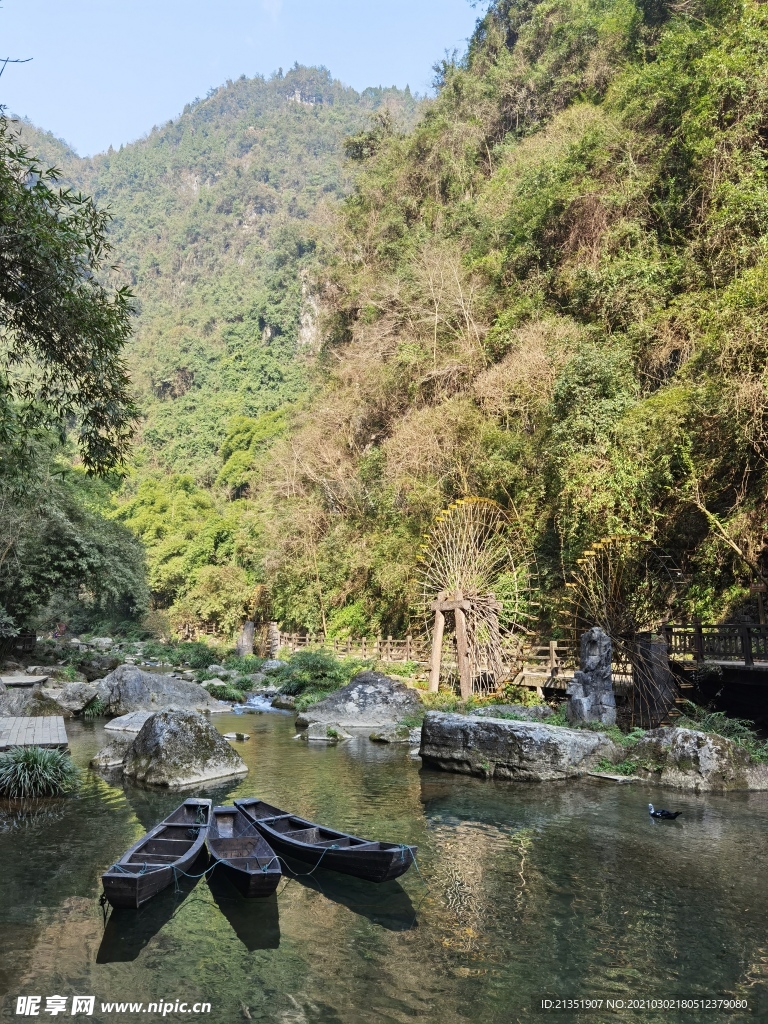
(244,644)
(590,692)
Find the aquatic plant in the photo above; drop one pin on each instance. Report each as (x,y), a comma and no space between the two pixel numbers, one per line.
(94,708)
(35,772)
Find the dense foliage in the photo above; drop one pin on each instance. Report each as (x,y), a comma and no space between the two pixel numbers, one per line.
(551,292)
(216,218)
(61,330)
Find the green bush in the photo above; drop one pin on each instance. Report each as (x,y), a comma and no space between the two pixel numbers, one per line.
(739,730)
(317,671)
(94,708)
(226,691)
(247,664)
(35,772)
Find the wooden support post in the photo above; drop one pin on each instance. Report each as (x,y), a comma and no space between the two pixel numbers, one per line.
(437,651)
(553,657)
(746,644)
(465,669)
(698,641)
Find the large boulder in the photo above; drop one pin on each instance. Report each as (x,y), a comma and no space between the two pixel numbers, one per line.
(369,701)
(128,688)
(696,761)
(534,713)
(506,749)
(73,698)
(180,748)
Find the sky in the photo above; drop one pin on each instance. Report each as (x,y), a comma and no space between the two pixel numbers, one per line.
(104,72)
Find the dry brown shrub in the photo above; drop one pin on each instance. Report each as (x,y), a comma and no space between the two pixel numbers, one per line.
(521,384)
(438,443)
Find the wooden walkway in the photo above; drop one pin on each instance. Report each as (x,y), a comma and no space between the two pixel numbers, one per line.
(48,731)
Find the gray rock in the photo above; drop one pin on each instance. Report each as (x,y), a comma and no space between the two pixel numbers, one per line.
(132,722)
(216,668)
(369,701)
(284,702)
(180,748)
(113,755)
(73,698)
(102,642)
(590,692)
(41,670)
(505,749)
(273,664)
(240,736)
(697,761)
(128,688)
(536,713)
(97,666)
(391,734)
(324,732)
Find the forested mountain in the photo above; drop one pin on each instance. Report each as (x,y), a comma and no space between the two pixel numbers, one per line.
(217,217)
(550,290)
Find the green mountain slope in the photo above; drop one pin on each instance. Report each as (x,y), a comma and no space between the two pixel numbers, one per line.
(216,218)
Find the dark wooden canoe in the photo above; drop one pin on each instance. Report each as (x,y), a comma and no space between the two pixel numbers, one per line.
(176,845)
(242,853)
(313,844)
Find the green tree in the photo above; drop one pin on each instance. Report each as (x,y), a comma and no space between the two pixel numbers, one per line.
(62,330)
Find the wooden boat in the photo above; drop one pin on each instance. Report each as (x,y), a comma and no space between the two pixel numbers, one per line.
(176,845)
(338,851)
(242,853)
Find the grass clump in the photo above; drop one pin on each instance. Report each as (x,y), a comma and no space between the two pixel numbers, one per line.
(226,691)
(310,676)
(35,772)
(94,708)
(739,730)
(247,664)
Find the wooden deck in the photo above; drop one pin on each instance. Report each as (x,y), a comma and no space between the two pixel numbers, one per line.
(47,731)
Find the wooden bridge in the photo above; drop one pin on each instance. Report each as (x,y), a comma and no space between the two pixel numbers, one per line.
(743,645)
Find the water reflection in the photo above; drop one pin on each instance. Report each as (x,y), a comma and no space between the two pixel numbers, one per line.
(256,922)
(385,904)
(127,932)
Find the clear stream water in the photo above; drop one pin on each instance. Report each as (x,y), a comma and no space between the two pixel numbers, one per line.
(528,892)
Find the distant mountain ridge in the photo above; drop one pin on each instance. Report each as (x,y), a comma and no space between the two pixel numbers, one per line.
(216,220)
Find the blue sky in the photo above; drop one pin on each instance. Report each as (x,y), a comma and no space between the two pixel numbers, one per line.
(105,71)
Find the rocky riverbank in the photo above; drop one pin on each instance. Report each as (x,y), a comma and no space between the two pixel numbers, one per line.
(537,752)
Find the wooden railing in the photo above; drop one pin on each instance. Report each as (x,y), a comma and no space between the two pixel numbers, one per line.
(379,648)
(743,643)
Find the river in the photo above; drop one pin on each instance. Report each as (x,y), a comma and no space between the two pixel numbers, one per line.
(525,892)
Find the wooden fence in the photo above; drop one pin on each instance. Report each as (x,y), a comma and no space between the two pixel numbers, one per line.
(379,648)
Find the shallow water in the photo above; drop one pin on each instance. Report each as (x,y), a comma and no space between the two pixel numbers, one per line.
(528,891)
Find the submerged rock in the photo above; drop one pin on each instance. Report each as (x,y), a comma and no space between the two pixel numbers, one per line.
(391,734)
(507,749)
(113,755)
(324,733)
(369,701)
(697,761)
(128,688)
(179,748)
